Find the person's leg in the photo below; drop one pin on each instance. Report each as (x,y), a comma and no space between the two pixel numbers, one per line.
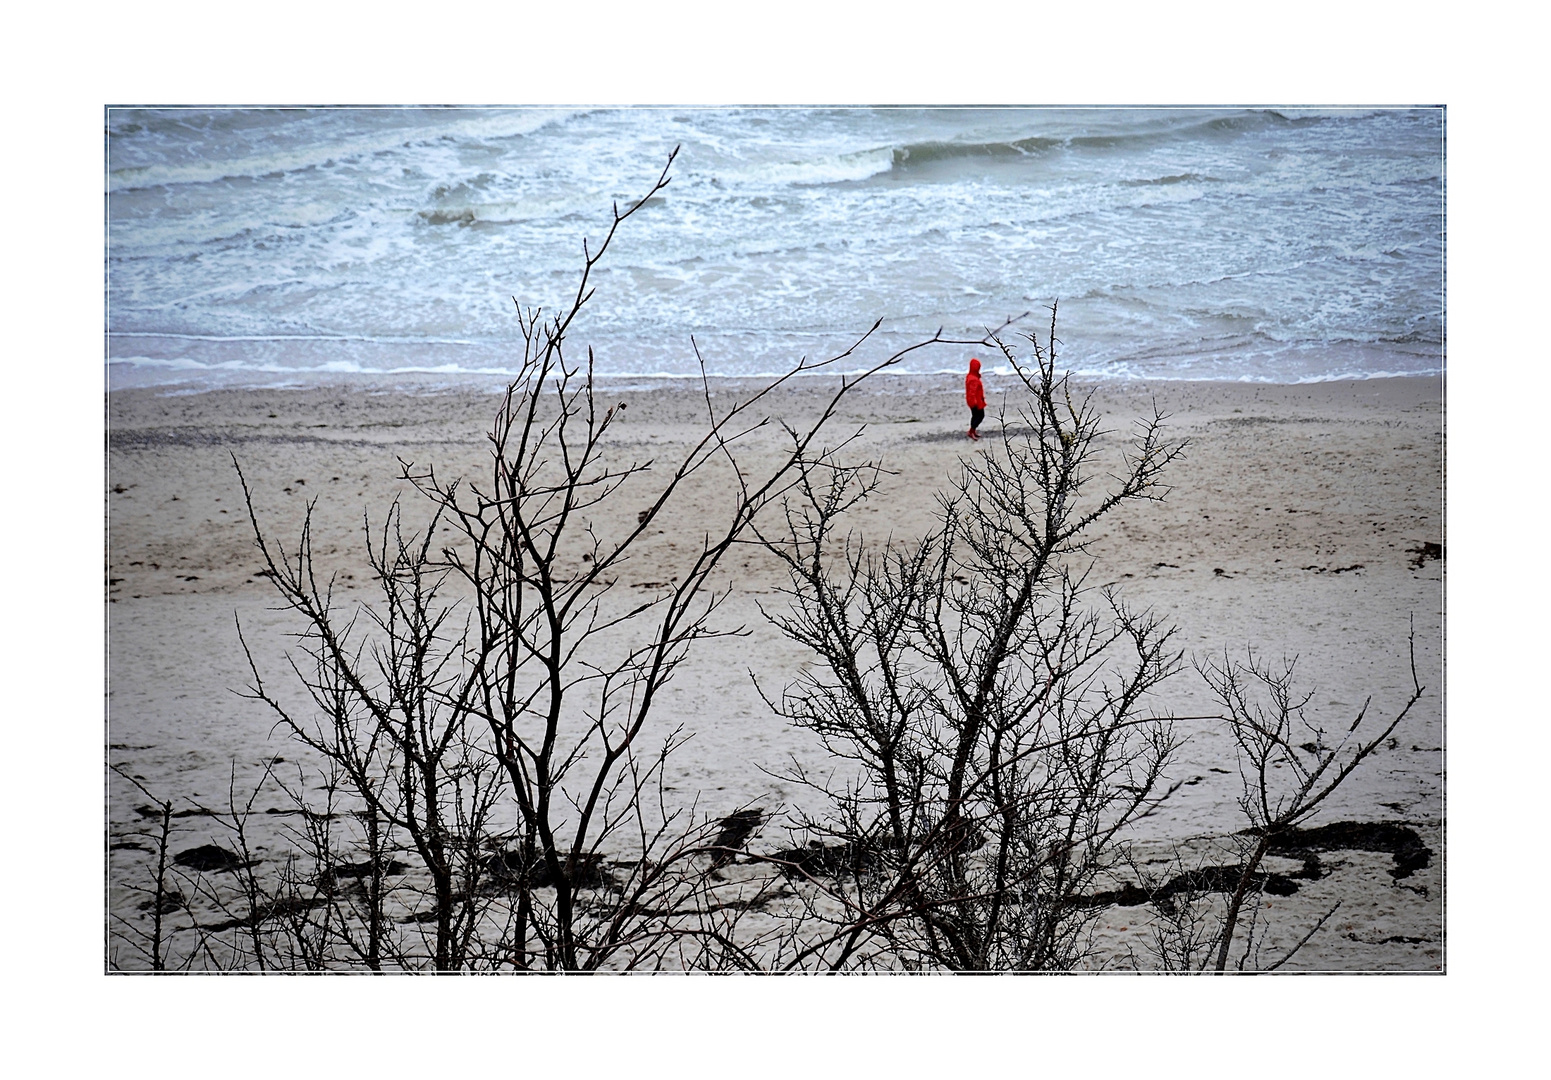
(975,416)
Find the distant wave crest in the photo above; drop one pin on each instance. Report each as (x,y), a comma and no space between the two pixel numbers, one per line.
(500,126)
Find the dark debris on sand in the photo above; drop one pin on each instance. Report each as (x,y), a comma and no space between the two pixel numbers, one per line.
(329,880)
(1424,551)
(734,833)
(208,858)
(1397,839)
(1208,879)
(504,869)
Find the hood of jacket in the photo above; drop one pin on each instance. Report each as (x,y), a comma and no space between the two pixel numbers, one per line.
(974,366)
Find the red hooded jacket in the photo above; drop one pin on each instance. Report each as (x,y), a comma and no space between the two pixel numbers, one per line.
(974,390)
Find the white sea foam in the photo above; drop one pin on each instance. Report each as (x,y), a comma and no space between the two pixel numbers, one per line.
(1182,244)
(841,168)
(501,124)
(377,339)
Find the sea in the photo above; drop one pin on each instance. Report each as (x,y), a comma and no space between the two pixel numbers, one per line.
(284,247)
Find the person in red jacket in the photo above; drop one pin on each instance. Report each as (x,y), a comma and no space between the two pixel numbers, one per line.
(975,397)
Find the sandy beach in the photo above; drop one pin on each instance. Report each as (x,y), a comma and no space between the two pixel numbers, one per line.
(1295,525)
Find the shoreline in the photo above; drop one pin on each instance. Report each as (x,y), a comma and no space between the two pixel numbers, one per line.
(494,382)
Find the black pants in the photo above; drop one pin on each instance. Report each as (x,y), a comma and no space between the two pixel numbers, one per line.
(975,416)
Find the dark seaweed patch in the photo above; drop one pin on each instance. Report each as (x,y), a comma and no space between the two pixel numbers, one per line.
(207,858)
(1399,840)
(1395,838)
(1424,551)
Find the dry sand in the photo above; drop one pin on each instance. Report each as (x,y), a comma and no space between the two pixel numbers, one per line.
(1289,527)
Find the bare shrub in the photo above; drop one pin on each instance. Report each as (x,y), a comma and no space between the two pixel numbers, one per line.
(501,670)
(994,722)
(993,705)
(161,896)
(1289,764)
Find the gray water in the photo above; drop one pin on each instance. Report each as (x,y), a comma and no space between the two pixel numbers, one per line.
(283,246)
